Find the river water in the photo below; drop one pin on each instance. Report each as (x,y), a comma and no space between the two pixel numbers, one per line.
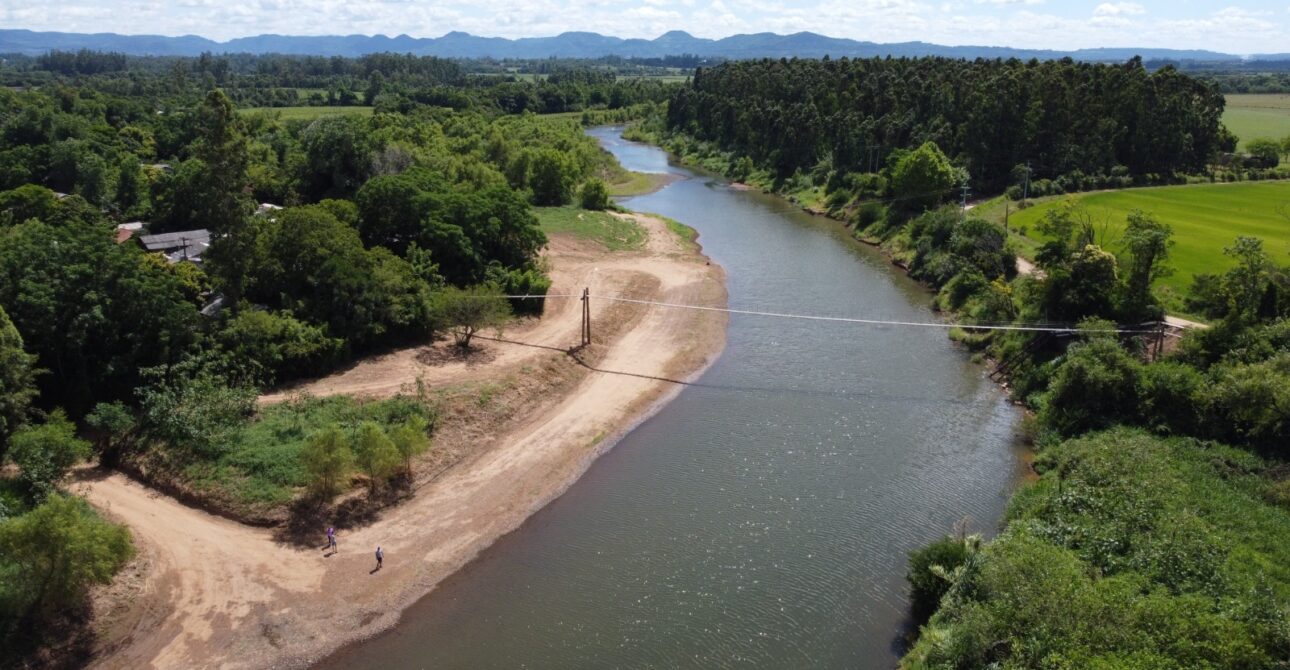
(763,517)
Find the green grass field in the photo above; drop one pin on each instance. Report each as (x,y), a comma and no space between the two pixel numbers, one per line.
(637,183)
(1205,219)
(1254,116)
(615,233)
(308,113)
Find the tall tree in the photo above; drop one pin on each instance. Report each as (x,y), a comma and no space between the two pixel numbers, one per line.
(1147,241)
(222,147)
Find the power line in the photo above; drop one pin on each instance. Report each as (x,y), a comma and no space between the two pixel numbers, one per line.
(877,322)
(1023,327)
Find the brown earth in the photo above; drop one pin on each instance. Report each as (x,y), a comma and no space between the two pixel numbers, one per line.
(521,424)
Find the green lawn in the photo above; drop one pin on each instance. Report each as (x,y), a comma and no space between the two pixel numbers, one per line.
(1254,116)
(1205,218)
(309,113)
(615,233)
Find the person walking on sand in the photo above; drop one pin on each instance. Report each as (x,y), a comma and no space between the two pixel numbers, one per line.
(331,539)
(380,556)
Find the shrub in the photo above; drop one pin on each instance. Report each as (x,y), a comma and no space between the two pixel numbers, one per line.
(44,452)
(930,575)
(328,458)
(594,195)
(375,454)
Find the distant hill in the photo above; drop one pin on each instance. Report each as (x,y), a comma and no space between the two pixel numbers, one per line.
(566,45)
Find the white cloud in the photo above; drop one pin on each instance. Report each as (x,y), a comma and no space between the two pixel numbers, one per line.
(1119,9)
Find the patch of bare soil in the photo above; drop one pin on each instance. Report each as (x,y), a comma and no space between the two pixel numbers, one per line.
(516,430)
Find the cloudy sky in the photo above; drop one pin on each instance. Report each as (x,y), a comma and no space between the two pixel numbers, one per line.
(1239,26)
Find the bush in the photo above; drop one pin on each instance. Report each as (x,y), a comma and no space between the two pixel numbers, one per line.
(464,312)
(594,195)
(930,575)
(44,452)
(375,454)
(1170,394)
(328,458)
(1095,386)
(50,556)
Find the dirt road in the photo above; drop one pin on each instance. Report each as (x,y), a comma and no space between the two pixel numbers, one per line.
(224,595)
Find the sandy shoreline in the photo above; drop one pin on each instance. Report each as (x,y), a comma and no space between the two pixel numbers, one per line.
(217,593)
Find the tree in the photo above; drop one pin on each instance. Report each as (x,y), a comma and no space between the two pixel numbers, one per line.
(113,423)
(1147,241)
(594,195)
(55,553)
(1244,283)
(410,439)
(922,178)
(1268,152)
(328,458)
(222,148)
(375,453)
(44,452)
(17,381)
(467,311)
(550,177)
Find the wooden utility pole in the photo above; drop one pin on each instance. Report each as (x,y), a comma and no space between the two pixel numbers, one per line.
(586,316)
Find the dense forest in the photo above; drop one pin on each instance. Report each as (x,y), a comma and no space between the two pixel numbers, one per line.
(1060,118)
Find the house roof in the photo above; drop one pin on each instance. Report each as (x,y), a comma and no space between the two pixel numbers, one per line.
(178,246)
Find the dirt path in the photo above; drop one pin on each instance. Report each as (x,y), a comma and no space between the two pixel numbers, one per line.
(227,595)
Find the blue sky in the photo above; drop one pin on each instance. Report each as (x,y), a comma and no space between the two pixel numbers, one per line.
(1241,26)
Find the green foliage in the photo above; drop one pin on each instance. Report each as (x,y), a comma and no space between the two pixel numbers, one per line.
(49,557)
(328,459)
(262,463)
(277,345)
(922,178)
(1061,116)
(1131,552)
(411,439)
(1147,242)
(1093,387)
(17,381)
(375,454)
(112,423)
(594,195)
(193,410)
(550,176)
(94,312)
(1267,151)
(44,453)
(932,570)
(465,312)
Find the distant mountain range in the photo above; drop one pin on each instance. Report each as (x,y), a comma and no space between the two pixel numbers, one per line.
(566,45)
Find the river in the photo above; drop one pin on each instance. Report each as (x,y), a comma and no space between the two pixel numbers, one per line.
(763,517)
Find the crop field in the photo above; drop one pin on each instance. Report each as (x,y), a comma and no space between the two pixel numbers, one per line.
(1205,219)
(1262,115)
(309,113)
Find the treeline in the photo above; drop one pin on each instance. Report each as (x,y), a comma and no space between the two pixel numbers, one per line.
(395,82)
(992,117)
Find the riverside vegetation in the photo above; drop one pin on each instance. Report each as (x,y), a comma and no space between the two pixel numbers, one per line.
(393,223)
(1157,534)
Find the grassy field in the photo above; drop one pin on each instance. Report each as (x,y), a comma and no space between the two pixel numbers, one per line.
(308,113)
(637,183)
(1254,116)
(615,233)
(1205,218)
